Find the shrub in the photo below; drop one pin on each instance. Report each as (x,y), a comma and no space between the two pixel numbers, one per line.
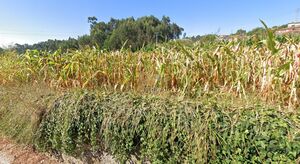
(161,130)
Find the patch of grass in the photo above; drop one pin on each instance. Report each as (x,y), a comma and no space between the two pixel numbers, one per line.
(21,109)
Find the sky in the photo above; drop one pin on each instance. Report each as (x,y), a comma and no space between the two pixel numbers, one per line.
(32,21)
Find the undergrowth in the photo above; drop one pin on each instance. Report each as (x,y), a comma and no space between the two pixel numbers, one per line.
(161,130)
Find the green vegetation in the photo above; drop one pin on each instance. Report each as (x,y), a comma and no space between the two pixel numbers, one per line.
(152,128)
(134,33)
(168,131)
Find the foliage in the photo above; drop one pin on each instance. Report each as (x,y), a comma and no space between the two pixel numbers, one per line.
(53,45)
(136,33)
(209,38)
(11,68)
(168,131)
(262,136)
(258,32)
(241,32)
(270,39)
(84,41)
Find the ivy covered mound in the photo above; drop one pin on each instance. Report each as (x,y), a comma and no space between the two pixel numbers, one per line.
(167,131)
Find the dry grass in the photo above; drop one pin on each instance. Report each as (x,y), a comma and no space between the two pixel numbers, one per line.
(21,110)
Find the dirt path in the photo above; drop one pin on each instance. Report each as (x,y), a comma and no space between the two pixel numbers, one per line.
(11,153)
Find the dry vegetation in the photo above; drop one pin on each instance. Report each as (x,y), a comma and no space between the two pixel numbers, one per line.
(230,67)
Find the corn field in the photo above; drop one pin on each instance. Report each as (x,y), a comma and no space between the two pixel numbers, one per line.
(268,70)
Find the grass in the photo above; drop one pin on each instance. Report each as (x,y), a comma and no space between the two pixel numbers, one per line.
(21,110)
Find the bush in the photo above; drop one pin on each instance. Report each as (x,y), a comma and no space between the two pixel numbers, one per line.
(167,131)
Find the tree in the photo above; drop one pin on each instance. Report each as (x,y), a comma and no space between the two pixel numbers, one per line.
(92,20)
(84,40)
(99,33)
(177,31)
(259,31)
(241,32)
(184,35)
(136,33)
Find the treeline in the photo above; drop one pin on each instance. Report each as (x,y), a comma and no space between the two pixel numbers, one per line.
(129,33)
(258,32)
(50,45)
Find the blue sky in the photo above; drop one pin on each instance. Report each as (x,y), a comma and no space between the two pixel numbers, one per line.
(31,21)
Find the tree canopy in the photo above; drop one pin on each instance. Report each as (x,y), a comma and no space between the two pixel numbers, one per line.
(132,33)
(50,45)
(129,33)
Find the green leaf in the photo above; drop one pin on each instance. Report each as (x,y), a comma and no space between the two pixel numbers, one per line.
(271,39)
